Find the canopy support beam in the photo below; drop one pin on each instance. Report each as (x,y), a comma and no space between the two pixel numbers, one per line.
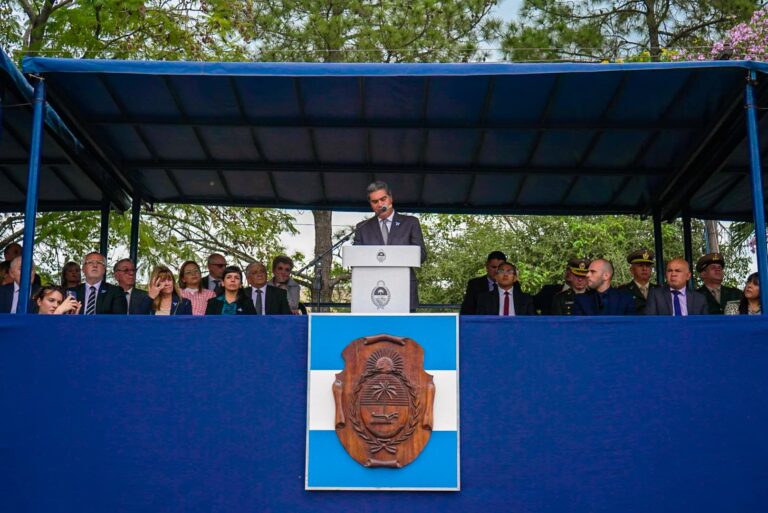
(688,243)
(135,217)
(758,203)
(659,246)
(104,238)
(30,212)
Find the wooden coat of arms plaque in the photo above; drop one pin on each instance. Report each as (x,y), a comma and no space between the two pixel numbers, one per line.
(384,401)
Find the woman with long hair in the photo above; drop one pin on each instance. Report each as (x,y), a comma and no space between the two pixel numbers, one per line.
(51,300)
(191,285)
(232,301)
(70,275)
(750,298)
(164,295)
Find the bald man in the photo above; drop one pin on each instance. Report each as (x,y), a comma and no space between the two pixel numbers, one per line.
(675,298)
(9,294)
(601,298)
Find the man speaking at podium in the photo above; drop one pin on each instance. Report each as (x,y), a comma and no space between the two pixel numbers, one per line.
(390,229)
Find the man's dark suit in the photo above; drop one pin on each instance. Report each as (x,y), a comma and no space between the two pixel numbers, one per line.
(726,294)
(488,302)
(611,302)
(640,300)
(660,302)
(543,300)
(218,290)
(404,231)
(6,299)
(110,299)
(275,300)
(475,287)
(136,305)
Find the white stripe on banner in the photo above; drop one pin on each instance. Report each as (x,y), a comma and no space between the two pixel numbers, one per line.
(322,408)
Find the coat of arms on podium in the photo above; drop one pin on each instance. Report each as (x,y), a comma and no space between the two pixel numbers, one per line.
(383,409)
(384,401)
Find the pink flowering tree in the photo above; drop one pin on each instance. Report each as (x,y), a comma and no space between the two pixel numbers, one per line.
(746,41)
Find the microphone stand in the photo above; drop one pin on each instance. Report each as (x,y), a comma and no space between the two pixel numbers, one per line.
(316,262)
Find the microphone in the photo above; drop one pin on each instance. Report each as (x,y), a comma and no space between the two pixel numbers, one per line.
(383,208)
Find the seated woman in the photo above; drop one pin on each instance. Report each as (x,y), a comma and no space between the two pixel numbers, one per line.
(163,296)
(70,275)
(51,300)
(750,299)
(232,301)
(191,285)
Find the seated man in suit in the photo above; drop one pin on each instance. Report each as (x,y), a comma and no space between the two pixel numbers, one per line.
(96,295)
(14,250)
(710,268)
(267,299)
(487,283)
(675,298)
(9,294)
(125,274)
(390,228)
(507,299)
(601,298)
(281,278)
(215,277)
(641,269)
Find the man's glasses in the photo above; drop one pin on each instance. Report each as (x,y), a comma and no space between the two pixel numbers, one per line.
(127,270)
(507,271)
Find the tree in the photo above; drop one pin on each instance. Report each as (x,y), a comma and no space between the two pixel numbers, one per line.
(602,29)
(168,234)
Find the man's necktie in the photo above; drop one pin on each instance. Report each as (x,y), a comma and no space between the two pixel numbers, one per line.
(384,231)
(128,302)
(216,284)
(258,302)
(715,294)
(644,291)
(90,308)
(676,303)
(506,303)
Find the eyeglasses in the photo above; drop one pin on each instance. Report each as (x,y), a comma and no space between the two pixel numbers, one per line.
(508,271)
(127,270)
(95,262)
(192,272)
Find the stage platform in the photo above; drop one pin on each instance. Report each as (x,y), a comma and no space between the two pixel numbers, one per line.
(142,414)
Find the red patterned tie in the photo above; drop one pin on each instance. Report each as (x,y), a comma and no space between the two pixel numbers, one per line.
(506,303)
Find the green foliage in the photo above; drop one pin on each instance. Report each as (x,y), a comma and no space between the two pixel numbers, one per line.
(610,30)
(168,235)
(540,247)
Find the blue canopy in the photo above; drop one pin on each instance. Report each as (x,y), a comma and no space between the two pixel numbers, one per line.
(484,138)
(70,178)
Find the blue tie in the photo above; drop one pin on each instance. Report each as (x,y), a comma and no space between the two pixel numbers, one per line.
(676,303)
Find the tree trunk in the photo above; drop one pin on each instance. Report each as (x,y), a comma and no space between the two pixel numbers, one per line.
(323,234)
(711,228)
(652,24)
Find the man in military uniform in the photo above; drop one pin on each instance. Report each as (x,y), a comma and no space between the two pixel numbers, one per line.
(641,268)
(542,301)
(710,268)
(562,303)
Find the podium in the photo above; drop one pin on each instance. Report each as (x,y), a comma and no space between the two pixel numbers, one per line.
(381,277)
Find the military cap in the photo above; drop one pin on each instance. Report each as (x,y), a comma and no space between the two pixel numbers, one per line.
(641,256)
(709,258)
(579,266)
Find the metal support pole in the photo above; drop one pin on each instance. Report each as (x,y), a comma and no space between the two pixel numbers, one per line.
(688,244)
(30,212)
(104,239)
(758,203)
(135,216)
(659,245)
